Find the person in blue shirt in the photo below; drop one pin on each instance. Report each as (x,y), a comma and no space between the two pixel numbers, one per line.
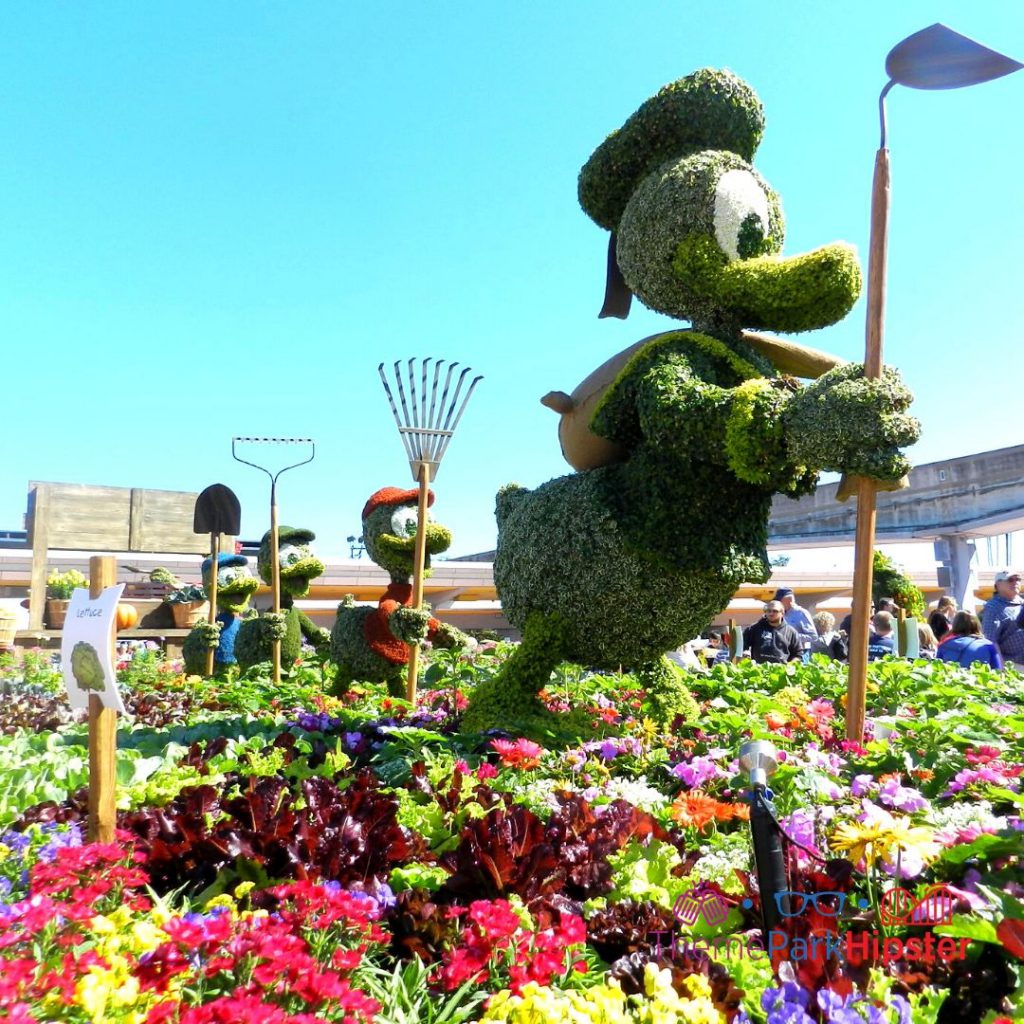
(797,617)
(964,644)
(1000,618)
(882,640)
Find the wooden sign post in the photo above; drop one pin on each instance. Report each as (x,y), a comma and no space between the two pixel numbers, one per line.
(102,729)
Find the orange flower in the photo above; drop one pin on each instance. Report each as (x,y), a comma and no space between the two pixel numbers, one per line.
(696,809)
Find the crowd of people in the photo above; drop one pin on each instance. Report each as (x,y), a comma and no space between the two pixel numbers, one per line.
(789,632)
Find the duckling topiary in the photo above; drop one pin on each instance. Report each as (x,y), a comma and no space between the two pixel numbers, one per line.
(235,586)
(372,644)
(299,566)
(682,440)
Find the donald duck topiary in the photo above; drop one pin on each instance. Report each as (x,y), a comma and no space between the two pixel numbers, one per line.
(299,566)
(235,586)
(682,440)
(372,644)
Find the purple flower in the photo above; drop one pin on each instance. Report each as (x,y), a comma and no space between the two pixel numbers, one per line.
(786,1005)
(59,841)
(901,797)
(377,892)
(862,785)
(609,750)
(575,759)
(699,771)
(799,827)
(837,1010)
(18,842)
(985,773)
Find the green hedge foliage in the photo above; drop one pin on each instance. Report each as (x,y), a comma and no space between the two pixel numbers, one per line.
(669,206)
(888,581)
(848,423)
(709,109)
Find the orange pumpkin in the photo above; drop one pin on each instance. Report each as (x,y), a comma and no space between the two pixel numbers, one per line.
(127,616)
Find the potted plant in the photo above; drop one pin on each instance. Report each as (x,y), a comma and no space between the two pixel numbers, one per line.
(187,601)
(59,588)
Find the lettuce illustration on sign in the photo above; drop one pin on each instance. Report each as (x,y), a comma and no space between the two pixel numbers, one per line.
(86,667)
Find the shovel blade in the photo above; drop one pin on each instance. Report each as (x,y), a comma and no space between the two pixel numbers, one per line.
(218,511)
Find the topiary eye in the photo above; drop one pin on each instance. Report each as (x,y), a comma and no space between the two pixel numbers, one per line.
(742,215)
(288,555)
(403,523)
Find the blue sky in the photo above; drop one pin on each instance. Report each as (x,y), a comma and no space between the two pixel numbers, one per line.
(219,218)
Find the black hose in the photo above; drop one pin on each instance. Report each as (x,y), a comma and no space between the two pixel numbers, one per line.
(768,858)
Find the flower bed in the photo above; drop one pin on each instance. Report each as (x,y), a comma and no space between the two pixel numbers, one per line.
(283,856)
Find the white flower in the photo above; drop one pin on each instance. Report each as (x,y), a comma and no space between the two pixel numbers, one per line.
(635,791)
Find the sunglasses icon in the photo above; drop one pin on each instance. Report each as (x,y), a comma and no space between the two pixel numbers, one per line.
(793,904)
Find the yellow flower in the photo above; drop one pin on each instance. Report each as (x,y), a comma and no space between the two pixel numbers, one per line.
(859,842)
(608,1004)
(101,993)
(883,839)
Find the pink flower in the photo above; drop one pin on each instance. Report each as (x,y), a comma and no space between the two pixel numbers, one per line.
(521,754)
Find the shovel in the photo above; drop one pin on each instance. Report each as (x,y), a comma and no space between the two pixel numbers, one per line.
(217,512)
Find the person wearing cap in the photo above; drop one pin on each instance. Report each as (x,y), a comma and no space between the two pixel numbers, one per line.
(798,617)
(772,639)
(1001,620)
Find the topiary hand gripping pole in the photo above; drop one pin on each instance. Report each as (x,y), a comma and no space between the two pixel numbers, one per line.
(426,430)
(274,546)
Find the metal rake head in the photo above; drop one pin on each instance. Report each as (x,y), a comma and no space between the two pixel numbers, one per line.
(273,440)
(427,421)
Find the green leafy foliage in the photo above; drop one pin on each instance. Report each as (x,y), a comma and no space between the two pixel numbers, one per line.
(888,581)
(848,423)
(708,109)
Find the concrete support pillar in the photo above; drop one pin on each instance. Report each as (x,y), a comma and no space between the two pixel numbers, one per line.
(956,554)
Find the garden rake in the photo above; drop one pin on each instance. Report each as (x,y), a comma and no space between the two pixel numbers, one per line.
(426,424)
(275,565)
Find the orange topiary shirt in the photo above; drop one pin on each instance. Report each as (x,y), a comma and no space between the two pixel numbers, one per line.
(375,626)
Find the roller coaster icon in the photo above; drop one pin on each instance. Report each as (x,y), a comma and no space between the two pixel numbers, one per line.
(899,906)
